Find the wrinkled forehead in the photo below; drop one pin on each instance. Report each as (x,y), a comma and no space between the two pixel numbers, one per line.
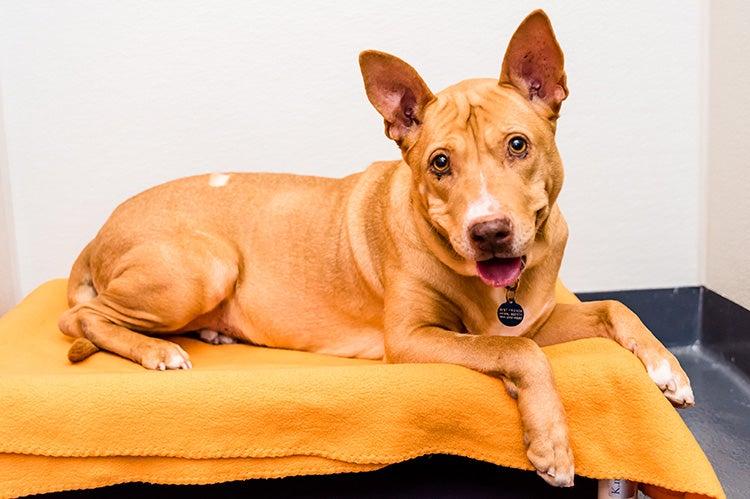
(480,111)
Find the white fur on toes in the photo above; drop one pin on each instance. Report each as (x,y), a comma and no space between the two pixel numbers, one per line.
(661,374)
(553,459)
(215,337)
(676,386)
(165,356)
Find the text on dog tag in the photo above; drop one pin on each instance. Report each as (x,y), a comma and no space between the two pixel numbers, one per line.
(510,313)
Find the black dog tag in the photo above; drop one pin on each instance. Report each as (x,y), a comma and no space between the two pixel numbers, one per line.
(510,313)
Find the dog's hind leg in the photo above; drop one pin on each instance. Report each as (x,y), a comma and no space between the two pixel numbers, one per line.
(158,290)
(151,353)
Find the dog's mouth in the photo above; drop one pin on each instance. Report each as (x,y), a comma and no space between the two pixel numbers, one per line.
(501,272)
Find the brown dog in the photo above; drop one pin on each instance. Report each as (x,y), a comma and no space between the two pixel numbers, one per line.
(406,261)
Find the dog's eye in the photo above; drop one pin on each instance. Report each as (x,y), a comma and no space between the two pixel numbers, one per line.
(440,165)
(517,145)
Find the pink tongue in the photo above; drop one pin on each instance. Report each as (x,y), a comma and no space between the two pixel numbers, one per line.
(499,272)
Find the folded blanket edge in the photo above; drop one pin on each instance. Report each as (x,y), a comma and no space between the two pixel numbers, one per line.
(323,465)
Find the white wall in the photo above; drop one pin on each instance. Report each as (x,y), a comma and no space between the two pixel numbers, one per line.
(9,286)
(103,99)
(727,264)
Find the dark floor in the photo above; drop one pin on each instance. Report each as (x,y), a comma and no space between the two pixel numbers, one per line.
(720,419)
(720,422)
(429,477)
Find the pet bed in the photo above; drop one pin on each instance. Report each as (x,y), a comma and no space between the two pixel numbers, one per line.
(249,412)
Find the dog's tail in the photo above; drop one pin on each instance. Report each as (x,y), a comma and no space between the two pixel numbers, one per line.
(81,349)
(80,290)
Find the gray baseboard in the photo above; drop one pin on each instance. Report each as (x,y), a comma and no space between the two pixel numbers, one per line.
(688,315)
(725,329)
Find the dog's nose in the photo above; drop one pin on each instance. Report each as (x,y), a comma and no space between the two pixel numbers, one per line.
(492,235)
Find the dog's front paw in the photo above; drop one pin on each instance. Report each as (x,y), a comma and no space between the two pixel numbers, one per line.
(549,452)
(666,372)
(672,381)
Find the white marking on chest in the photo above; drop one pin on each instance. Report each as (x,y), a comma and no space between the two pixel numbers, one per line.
(218,179)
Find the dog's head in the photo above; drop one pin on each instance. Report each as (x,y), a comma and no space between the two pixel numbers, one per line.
(485,165)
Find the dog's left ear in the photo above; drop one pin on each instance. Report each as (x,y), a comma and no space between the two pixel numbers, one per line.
(533,63)
(397,92)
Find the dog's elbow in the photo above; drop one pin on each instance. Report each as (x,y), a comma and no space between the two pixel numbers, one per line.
(405,345)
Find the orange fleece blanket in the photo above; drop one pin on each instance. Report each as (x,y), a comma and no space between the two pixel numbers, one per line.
(249,412)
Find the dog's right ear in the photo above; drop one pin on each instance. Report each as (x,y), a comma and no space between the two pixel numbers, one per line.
(396,91)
